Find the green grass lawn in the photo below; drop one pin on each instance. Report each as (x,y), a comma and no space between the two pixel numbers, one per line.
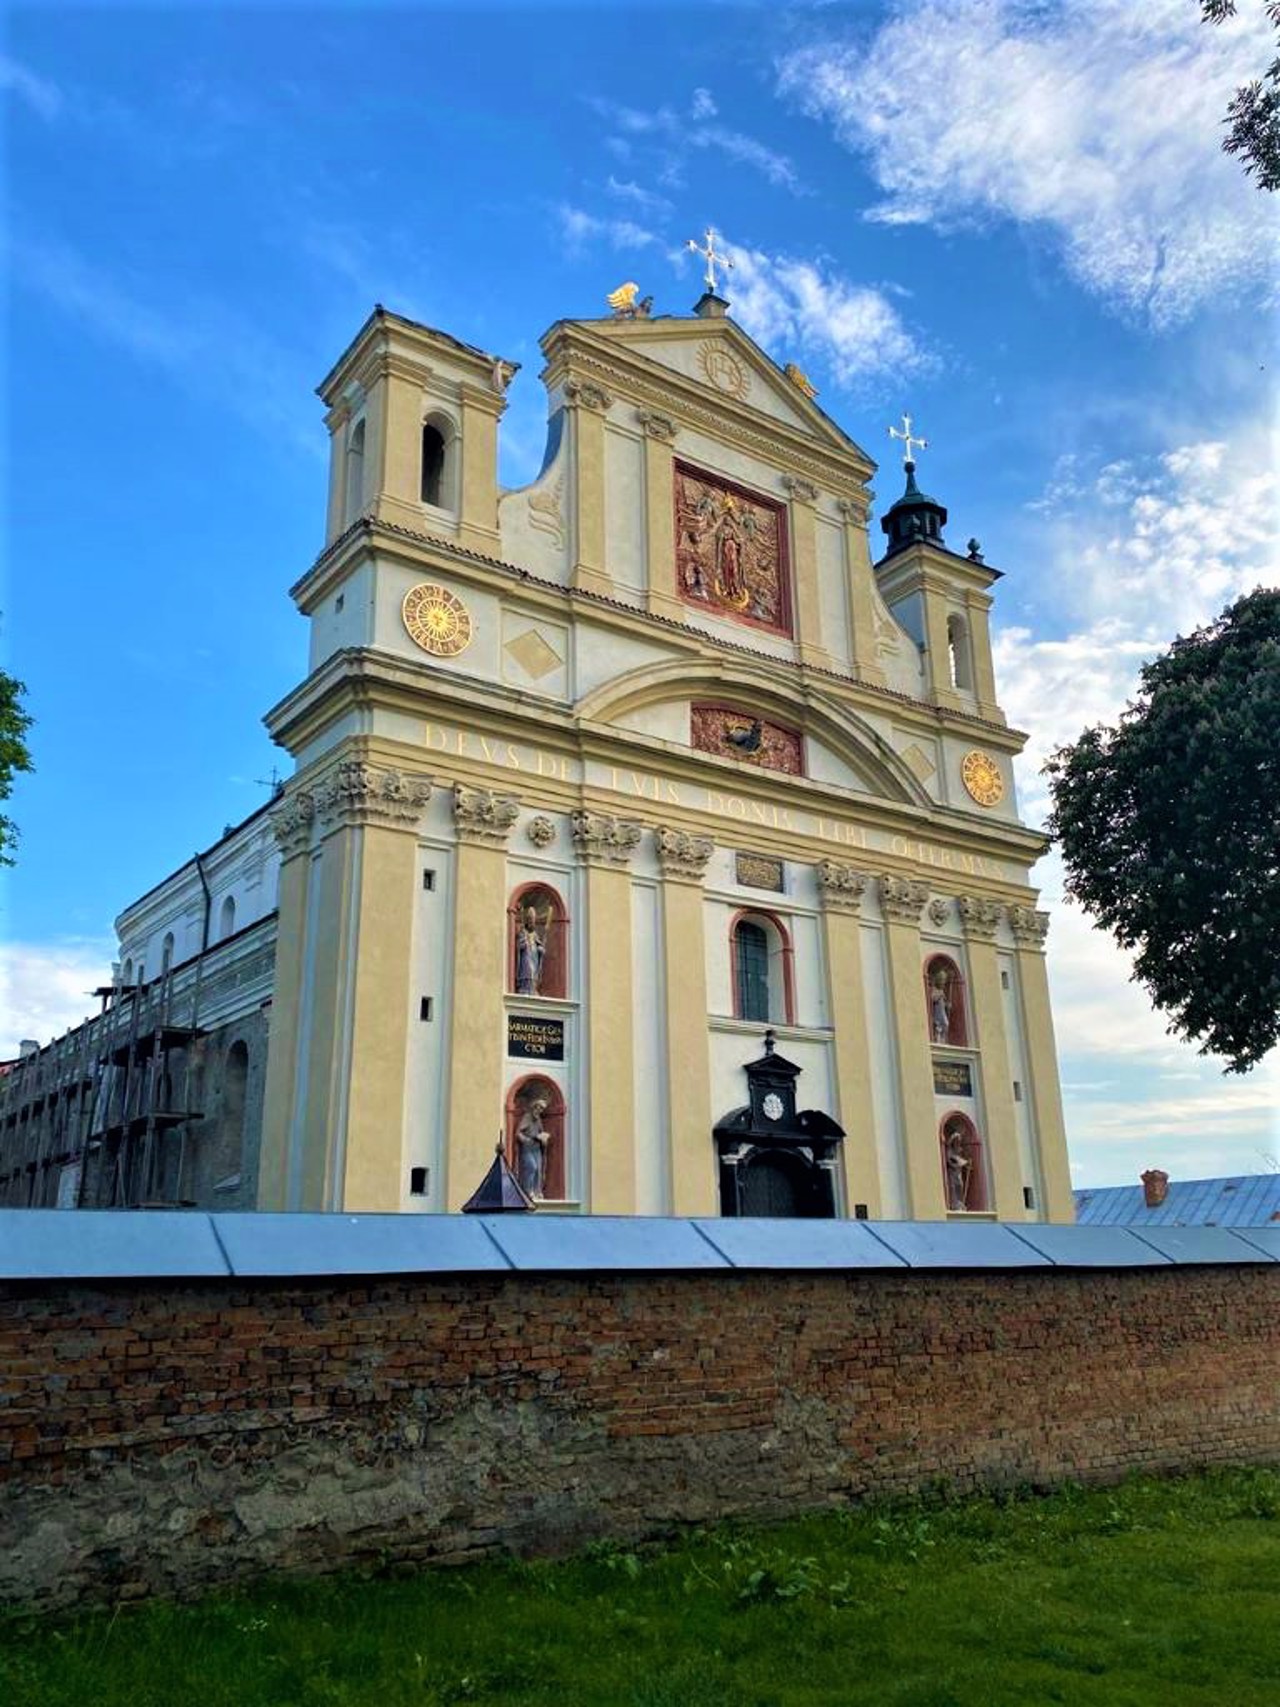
(1163,1593)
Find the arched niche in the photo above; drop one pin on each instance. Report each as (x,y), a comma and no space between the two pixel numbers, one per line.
(537,935)
(353,496)
(964,1169)
(761,971)
(960,653)
(439,458)
(946,1003)
(535,1119)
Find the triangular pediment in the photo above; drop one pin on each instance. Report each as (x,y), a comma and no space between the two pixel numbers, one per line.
(714,359)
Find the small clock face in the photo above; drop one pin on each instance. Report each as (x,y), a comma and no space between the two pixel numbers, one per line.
(981,777)
(772,1106)
(437,620)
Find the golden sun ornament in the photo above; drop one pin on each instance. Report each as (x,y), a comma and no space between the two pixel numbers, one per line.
(981,776)
(437,620)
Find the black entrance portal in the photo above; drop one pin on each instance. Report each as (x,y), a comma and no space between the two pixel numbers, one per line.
(774,1161)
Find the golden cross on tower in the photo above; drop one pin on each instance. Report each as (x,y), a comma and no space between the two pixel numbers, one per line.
(908,439)
(712,257)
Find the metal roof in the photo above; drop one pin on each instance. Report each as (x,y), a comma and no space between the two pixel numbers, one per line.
(1249,1200)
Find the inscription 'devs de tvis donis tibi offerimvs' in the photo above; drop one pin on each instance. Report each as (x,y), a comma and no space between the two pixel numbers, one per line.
(665,791)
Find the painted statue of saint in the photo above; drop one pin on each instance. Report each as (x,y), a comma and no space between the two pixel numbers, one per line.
(939,1007)
(532,1139)
(531,952)
(959,1166)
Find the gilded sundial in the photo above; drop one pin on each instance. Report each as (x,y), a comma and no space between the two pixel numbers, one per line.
(437,620)
(981,776)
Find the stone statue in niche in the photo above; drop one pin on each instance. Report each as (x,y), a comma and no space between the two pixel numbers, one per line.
(531,950)
(940,1005)
(730,550)
(532,1139)
(959,1163)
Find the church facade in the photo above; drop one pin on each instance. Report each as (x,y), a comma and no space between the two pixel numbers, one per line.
(598,781)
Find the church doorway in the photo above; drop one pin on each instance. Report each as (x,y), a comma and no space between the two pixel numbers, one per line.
(772,1182)
(772,1160)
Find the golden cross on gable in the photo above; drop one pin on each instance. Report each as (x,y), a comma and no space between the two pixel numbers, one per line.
(908,439)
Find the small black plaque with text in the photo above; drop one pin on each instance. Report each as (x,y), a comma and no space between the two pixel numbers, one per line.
(535,1039)
(952,1079)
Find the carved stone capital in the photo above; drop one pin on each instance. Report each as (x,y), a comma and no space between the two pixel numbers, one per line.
(541,831)
(581,392)
(357,793)
(854,510)
(291,821)
(979,915)
(480,815)
(1029,926)
(604,839)
(802,490)
(681,854)
(901,899)
(841,887)
(655,425)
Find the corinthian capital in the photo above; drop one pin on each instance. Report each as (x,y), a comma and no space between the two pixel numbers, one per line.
(841,886)
(1029,926)
(356,793)
(582,391)
(291,821)
(681,854)
(480,815)
(901,899)
(979,915)
(657,426)
(603,839)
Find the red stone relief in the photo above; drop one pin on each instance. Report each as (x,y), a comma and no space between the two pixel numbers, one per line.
(731,552)
(747,739)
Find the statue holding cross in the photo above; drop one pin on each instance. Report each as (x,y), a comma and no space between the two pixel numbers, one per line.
(909,440)
(712,256)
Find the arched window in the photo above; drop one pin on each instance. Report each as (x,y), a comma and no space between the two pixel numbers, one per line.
(960,658)
(945,1004)
(964,1173)
(227,918)
(438,442)
(166,953)
(355,472)
(537,930)
(535,1136)
(760,955)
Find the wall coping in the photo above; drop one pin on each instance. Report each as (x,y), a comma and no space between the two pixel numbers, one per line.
(86,1244)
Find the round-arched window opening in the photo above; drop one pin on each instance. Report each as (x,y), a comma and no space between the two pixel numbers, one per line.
(760,965)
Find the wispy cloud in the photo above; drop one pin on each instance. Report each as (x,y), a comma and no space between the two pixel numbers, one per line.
(581,229)
(1099,122)
(670,136)
(645,201)
(38,93)
(45,987)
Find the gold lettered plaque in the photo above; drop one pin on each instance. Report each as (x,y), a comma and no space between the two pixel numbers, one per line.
(981,776)
(437,620)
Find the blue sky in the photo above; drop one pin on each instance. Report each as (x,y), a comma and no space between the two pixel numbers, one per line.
(1013,220)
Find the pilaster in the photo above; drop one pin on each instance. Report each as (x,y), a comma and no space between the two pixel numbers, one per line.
(981,917)
(1029,929)
(586,404)
(478,497)
(683,860)
(862,617)
(977,608)
(841,888)
(901,901)
(662,595)
(605,845)
(804,563)
(291,820)
(482,823)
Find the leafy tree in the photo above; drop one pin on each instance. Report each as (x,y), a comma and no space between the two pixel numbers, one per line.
(1170,830)
(1254,112)
(14,723)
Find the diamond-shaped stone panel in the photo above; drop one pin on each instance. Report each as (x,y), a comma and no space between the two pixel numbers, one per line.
(536,656)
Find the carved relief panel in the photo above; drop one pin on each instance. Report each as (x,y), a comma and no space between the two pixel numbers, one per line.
(750,740)
(731,550)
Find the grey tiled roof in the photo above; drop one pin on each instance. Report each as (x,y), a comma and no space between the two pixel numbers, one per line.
(1249,1200)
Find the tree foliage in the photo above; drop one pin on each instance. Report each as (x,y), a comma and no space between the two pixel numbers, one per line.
(1254,113)
(14,723)
(1170,830)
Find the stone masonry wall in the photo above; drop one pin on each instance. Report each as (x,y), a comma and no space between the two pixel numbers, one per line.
(162,1437)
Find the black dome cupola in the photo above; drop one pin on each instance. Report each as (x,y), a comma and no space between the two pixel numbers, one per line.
(916,517)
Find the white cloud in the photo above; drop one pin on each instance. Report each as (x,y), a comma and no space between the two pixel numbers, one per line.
(703,106)
(647,201)
(1100,121)
(580,228)
(801,307)
(669,137)
(43,98)
(45,987)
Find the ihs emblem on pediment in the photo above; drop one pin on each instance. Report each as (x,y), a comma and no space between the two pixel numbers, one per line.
(724,370)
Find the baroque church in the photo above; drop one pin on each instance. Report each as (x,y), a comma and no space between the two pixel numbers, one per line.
(653,823)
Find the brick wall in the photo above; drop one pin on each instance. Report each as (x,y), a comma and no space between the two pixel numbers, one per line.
(162,1436)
